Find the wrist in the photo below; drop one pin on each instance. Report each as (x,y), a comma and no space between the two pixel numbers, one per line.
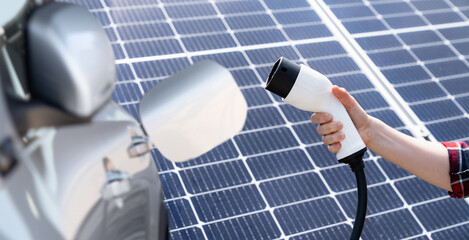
(370,132)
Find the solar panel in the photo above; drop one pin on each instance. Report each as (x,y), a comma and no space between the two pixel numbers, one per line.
(275,179)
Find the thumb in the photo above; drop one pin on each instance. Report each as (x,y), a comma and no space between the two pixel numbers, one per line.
(344,97)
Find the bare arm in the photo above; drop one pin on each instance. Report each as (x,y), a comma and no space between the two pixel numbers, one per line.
(426,160)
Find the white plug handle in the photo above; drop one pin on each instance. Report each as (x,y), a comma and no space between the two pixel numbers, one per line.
(352,142)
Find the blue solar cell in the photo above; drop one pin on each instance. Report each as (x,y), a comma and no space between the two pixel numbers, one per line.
(415,190)
(466,13)
(190,10)
(292,189)
(443,17)
(263,117)
(361,26)
(352,82)
(389,117)
(394,225)
(90,4)
(427,36)
(180,213)
(341,231)
(121,3)
(419,92)
(245,77)
(462,47)
(249,21)
(133,110)
(256,96)
(405,21)
(102,18)
(160,68)
(352,11)
(260,37)
(217,176)
(118,52)
(294,114)
(341,178)
(303,16)
(321,156)
(227,59)
(380,198)
(420,238)
(144,31)
(223,151)
(228,203)
(305,216)
(460,3)
(436,110)
(450,130)
(172,186)
(270,55)
(280,4)
(391,170)
(264,74)
(126,92)
(134,15)
(152,48)
(161,162)
(279,164)
(239,6)
(452,233)
(464,102)
(333,2)
(442,69)
(254,226)
(320,49)
(334,65)
(425,5)
(433,52)
(307,133)
(442,213)
(370,100)
(378,42)
(111,34)
(265,141)
(207,42)
(307,32)
(396,57)
(192,26)
(188,233)
(456,86)
(405,74)
(455,33)
(392,8)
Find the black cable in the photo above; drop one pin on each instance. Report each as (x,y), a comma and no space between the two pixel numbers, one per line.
(361,206)
(355,161)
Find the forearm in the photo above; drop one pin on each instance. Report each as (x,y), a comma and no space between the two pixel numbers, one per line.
(426,160)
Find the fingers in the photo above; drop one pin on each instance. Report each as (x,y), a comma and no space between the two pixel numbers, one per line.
(333,138)
(344,97)
(334,148)
(320,118)
(328,128)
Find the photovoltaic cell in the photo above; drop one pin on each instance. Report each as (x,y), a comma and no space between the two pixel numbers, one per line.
(272,180)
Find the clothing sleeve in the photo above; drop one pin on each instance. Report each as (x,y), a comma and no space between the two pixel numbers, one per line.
(458,168)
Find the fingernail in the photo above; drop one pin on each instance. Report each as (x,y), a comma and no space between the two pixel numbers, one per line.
(339,125)
(329,117)
(341,135)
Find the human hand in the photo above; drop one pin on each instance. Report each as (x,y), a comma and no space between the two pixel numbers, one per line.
(332,136)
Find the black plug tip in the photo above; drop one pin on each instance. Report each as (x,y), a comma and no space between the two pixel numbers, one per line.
(282,77)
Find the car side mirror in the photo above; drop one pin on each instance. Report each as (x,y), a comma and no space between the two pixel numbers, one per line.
(193,111)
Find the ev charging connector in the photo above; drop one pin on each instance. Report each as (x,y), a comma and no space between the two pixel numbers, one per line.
(309,90)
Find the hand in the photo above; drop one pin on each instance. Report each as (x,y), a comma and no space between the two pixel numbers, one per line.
(331,129)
